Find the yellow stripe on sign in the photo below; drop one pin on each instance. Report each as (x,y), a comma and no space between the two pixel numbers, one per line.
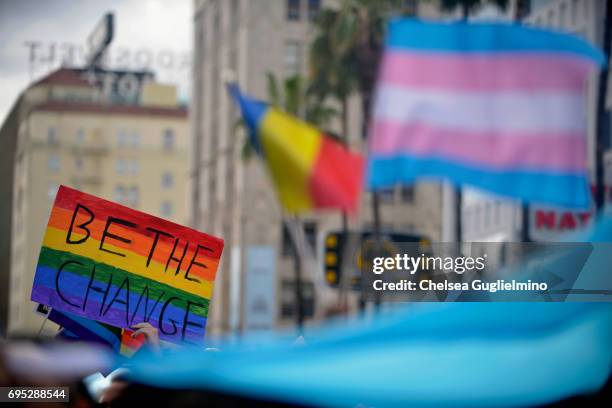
(132,262)
(291,148)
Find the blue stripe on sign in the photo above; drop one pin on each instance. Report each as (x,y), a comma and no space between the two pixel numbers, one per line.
(563,189)
(73,288)
(416,35)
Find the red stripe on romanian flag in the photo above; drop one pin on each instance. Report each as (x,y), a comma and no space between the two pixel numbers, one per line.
(310,170)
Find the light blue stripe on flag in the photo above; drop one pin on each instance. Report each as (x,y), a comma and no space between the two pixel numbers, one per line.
(415,35)
(548,187)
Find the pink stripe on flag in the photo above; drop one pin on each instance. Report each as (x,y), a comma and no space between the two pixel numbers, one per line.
(484,73)
(557,152)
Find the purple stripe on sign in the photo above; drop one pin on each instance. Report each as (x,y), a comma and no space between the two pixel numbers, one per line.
(194,336)
(73,289)
(479,72)
(555,152)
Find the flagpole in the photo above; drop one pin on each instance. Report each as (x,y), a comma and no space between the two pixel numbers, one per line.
(603,121)
(377,239)
(458,224)
(298,257)
(465,13)
(525,222)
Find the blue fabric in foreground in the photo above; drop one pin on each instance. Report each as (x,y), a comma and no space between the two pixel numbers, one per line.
(428,355)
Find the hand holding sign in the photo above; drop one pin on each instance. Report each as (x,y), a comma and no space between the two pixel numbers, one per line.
(110,263)
(150,333)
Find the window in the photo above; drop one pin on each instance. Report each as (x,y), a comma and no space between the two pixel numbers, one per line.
(563,20)
(497,215)
(288,299)
(121,138)
(132,167)
(53,163)
(80,136)
(168,141)
(310,231)
(574,11)
(52,191)
(135,139)
(407,194)
(313,9)
(78,163)
(217,21)
(477,217)
(133,194)
(410,8)
(292,58)
(293,10)
(551,18)
(119,194)
(167,180)
(387,195)
(467,216)
(235,15)
(166,209)
(120,166)
(52,138)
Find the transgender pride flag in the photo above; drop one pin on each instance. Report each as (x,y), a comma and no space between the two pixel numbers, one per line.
(500,107)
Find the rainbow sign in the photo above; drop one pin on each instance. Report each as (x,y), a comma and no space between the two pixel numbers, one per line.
(120,266)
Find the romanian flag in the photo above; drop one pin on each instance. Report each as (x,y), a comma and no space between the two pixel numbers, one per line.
(309,169)
(497,106)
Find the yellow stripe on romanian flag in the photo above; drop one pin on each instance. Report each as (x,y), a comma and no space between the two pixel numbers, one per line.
(310,170)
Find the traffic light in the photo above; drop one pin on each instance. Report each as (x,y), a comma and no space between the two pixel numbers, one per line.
(362,255)
(332,263)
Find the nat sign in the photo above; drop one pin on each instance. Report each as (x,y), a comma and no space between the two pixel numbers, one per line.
(548,224)
(120,266)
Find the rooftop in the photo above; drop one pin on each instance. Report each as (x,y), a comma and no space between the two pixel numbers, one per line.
(63,76)
(111,109)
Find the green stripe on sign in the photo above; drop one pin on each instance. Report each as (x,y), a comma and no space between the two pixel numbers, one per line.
(54,259)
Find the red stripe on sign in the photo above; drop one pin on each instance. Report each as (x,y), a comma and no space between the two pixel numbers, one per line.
(68,199)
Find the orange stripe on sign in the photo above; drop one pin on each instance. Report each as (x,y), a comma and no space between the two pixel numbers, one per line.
(136,264)
(141,244)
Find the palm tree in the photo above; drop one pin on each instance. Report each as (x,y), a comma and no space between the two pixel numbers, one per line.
(292,97)
(345,53)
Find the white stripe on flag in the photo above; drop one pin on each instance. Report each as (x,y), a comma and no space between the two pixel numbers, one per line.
(504,112)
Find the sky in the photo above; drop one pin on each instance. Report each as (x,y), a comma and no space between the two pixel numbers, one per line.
(163,27)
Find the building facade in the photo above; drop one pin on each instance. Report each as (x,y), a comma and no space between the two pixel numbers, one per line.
(129,147)
(241,41)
